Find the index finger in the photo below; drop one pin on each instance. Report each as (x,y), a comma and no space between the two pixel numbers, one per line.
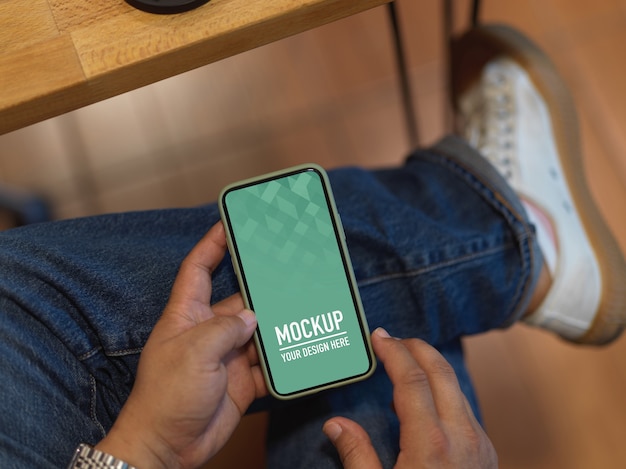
(418,369)
(412,395)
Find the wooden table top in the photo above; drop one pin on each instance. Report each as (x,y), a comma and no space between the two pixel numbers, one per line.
(59,55)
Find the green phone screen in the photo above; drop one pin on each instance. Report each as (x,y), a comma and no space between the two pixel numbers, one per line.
(296,274)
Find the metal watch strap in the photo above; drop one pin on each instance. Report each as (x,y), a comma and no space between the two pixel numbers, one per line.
(87,457)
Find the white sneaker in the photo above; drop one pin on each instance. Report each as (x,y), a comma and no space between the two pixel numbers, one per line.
(516,110)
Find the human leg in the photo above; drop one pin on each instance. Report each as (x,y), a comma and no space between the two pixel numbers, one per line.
(473,225)
(462,242)
(80,297)
(77,302)
(531,140)
(514,106)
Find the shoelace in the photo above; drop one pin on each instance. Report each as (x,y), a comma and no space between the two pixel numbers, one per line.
(490,125)
(490,121)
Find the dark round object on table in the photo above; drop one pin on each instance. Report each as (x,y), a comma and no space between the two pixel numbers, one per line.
(166,7)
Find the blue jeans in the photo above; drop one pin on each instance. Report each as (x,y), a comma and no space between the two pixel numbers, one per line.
(441,248)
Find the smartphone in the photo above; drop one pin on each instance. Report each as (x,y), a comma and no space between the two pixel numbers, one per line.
(288,250)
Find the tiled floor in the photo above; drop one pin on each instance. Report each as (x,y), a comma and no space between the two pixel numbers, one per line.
(330,96)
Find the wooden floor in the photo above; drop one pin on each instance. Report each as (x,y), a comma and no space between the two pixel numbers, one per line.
(331,96)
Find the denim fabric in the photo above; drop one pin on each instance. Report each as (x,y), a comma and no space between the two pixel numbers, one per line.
(454,256)
(440,247)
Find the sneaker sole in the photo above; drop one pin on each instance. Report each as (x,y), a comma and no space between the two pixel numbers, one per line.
(469,55)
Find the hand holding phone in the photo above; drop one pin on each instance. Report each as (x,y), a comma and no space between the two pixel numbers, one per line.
(289,253)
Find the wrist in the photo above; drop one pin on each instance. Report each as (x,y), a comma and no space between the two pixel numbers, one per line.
(136,452)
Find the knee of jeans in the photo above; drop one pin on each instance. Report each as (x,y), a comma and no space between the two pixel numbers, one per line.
(46,407)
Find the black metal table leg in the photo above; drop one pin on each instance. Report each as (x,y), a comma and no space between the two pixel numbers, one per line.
(408,101)
(403,77)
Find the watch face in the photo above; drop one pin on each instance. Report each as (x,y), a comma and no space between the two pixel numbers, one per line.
(166,6)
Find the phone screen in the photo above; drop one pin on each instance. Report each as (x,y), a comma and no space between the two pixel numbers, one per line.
(288,251)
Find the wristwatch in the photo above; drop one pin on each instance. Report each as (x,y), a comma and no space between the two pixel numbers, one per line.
(87,457)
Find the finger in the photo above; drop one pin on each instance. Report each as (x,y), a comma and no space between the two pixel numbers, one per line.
(470,412)
(193,282)
(449,400)
(221,335)
(252,354)
(260,386)
(352,443)
(413,399)
(229,306)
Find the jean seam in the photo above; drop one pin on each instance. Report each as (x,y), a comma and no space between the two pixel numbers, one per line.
(125,352)
(118,353)
(93,405)
(87,355)
(433,267)
(521,229)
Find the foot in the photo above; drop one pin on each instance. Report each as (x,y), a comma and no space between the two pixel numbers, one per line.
(515,109)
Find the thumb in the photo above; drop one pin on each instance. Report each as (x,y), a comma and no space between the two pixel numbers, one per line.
(222,334)
(352,443)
